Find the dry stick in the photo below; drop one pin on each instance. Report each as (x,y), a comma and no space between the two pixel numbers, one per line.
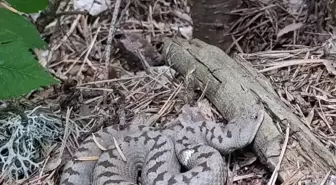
(96,89)
(3,4)
(66,130)
(112,80)
(204,91)
(235,43)
(86,60)
(109,40)
(291,63)
(36,179)
(294,177)
(324,180)
(67,35)
(173,95)
(119,149)
(44,165)
(112,31)
(324,117)
(277,168)
(242,177)
(74,63)
(155,117)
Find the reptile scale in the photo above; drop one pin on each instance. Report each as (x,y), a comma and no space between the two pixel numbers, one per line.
(191,140)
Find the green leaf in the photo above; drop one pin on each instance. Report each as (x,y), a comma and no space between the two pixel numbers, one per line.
(19,71)
(28,6)
(15,27)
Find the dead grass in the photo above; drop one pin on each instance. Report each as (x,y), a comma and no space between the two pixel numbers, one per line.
(299,61)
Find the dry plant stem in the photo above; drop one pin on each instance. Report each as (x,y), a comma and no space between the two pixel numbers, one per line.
(109,41)
(324,180)
(9,7)
(242,177)
(67,35)
(113,80)
(165,106)
(66,130)
(275,174)
(144,62)
(111,32)
(291,63)
(86,60)
(43,167)
(77,61)
(101,147)
(293,178)
(96,89)
(119,149)
(203,92)
(324,117)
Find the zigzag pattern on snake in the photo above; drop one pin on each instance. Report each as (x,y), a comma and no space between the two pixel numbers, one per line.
(192,140)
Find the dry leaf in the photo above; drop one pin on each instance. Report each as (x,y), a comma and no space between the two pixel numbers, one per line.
(100,146)
(205,108)
(52,164)
(330,68)
(132,43)
(185,31)
(54,161)
(289,28)
(310,117)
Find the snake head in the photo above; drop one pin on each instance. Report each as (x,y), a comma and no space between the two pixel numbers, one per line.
(240,131)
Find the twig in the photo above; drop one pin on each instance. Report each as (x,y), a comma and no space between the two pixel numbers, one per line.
(109,40)
(9,8)
(324,180)
(277,168)
(86,60)
(74,12)
(112,31)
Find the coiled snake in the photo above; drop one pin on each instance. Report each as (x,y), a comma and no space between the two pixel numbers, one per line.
(191,140)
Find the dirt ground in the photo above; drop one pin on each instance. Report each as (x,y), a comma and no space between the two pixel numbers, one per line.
(212,22)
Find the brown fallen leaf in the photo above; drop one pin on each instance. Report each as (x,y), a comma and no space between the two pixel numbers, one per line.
(309,118)
(289,28)
(54,161)
(131,43)
(329,66)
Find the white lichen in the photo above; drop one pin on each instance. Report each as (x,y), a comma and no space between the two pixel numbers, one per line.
(23,140)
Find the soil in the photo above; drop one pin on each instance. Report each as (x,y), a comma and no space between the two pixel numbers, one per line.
(212,20)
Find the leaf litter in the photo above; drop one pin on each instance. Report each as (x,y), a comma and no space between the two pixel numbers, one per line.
(290,47)
(294,57)
(295,51)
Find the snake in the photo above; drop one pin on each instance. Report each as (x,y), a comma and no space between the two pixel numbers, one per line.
(189,151)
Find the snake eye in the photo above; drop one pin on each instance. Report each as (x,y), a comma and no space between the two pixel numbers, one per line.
(255,116)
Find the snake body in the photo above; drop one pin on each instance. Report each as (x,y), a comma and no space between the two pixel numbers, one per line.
(192,140)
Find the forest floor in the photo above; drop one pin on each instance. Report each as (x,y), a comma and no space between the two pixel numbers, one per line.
(96,58)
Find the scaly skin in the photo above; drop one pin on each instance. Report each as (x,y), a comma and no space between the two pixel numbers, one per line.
(192,141)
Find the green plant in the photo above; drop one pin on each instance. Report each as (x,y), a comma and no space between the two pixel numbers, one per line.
(20,72)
